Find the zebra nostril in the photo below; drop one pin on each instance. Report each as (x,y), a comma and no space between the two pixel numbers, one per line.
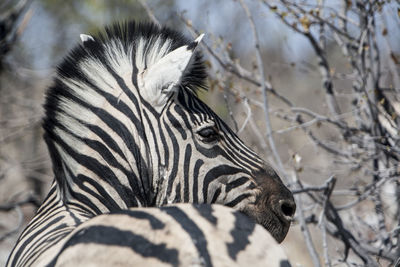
(287,209)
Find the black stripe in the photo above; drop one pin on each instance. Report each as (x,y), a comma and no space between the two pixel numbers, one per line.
(232,140)
(176,162)
(124,88)
(186,166)
(206,212)
(236,183)
(183,115)
(237,200)
(191,228)
(153,133)
(107,139)
(148,107)
(50,206)
(239,158)
(165,145)
(176,124)
(216,195)
(102,196)
(195,189)
(178,193)
(214,174)
(135,72)
(117,126)
(82,209)
(113,236)
(155,223)
(121,106)
(241,232)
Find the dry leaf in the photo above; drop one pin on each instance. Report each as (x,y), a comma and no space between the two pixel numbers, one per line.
(305,22)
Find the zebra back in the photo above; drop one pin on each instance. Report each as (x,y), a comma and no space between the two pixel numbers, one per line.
(178,235)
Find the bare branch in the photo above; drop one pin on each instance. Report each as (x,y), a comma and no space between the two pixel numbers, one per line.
(149,12)
(263,89)
(304,228)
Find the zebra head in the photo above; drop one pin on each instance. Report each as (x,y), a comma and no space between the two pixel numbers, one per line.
(125,128)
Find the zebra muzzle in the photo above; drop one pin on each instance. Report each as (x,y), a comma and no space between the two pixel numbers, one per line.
(275,206)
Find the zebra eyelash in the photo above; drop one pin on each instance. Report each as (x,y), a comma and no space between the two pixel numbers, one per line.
(209,134)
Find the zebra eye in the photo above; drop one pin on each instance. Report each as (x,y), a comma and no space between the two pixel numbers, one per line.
(209,134)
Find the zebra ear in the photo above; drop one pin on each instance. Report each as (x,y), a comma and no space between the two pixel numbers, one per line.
(162,79)
(85,38)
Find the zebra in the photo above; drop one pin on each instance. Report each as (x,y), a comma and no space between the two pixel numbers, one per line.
(178,235)
(125,129)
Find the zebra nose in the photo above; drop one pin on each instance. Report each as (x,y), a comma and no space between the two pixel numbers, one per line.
(282,203)
(276,196)
(286,209)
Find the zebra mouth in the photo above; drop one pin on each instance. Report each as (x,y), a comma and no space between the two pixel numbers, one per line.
(275,225)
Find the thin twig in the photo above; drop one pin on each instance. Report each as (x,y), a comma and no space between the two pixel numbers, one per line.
(313,188)
(228,107)
(263,86)
(304,228)
(149,12)
(248,115)
(330,185)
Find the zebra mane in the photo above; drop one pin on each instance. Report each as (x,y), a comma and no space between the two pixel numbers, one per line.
(126,36)
(105,58)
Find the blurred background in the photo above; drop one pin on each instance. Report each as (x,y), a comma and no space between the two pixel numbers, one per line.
(311,85)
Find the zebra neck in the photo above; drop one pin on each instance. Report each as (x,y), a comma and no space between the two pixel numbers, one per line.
(103,180)
(94,196)
(99,150)
(46,231)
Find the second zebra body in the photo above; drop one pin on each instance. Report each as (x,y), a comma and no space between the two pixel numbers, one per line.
(178,235)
